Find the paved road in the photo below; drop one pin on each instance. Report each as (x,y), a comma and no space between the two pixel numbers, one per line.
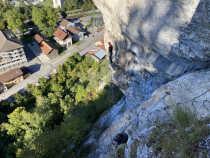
(50,66)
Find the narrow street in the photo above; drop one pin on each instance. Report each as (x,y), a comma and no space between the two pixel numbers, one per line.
(47,68)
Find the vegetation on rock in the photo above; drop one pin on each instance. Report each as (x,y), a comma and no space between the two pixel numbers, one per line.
(134,147)
(120,151)
(180,137)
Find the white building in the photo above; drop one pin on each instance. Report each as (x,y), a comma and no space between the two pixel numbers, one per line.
(71,28)
(11,52)
(62,38)
(58,3)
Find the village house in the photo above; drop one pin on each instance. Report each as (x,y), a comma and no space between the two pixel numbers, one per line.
(71,29)
(62,38)
(99,51)
(77,33)
(45,47)
(11,52)
(11,77)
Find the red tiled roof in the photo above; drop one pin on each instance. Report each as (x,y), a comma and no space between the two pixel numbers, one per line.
(38,38)
(74,30)
(45,47)
(64,22)
(60,34)
(11,75)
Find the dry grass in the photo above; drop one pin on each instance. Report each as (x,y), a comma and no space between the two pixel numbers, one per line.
(180,137)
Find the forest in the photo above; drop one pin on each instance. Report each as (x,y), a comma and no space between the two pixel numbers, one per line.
(20,18)
(52,119)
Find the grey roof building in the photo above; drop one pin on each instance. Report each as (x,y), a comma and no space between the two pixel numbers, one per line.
(11,52)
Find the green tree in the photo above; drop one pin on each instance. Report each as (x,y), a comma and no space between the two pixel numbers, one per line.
(16,124)
(56,114)
(81,93)
(45,19)
(27,11)
(2,10)
(44,85)
(15,20)
(39,17)
(67,104)
(88,5)
(2,24)
(71,4)
(34,90)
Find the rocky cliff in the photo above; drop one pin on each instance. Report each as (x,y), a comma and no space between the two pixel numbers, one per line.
(163,37)
(137,118)
(160,58)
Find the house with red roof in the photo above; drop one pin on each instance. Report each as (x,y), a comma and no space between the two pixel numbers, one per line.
(45,47)
(13,76)
(71,29)
(62,38)
(77,33)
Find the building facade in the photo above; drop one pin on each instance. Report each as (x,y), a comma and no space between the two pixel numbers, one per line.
(58,3)
(72,30)
(11,53)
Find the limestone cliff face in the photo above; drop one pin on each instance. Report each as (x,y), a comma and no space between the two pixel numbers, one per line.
(160,58)
(163,37)
(137,118)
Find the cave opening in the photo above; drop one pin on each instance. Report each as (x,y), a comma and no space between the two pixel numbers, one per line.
(121,138)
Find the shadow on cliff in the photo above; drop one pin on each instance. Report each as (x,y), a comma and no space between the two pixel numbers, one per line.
(142,44)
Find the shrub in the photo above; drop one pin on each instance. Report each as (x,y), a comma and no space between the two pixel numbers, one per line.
(134,147)
(180,137)
(120,151)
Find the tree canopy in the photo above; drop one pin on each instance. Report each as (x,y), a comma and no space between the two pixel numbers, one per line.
(47,119)
(15,20)
(45,19)
(70,5)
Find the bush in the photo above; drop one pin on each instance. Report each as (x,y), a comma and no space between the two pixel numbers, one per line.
(180,137)
(134,146)
(120,151)
(61,109)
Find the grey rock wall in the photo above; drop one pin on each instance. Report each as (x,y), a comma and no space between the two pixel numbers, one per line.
(163,37)
(155,42)
(136,117)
